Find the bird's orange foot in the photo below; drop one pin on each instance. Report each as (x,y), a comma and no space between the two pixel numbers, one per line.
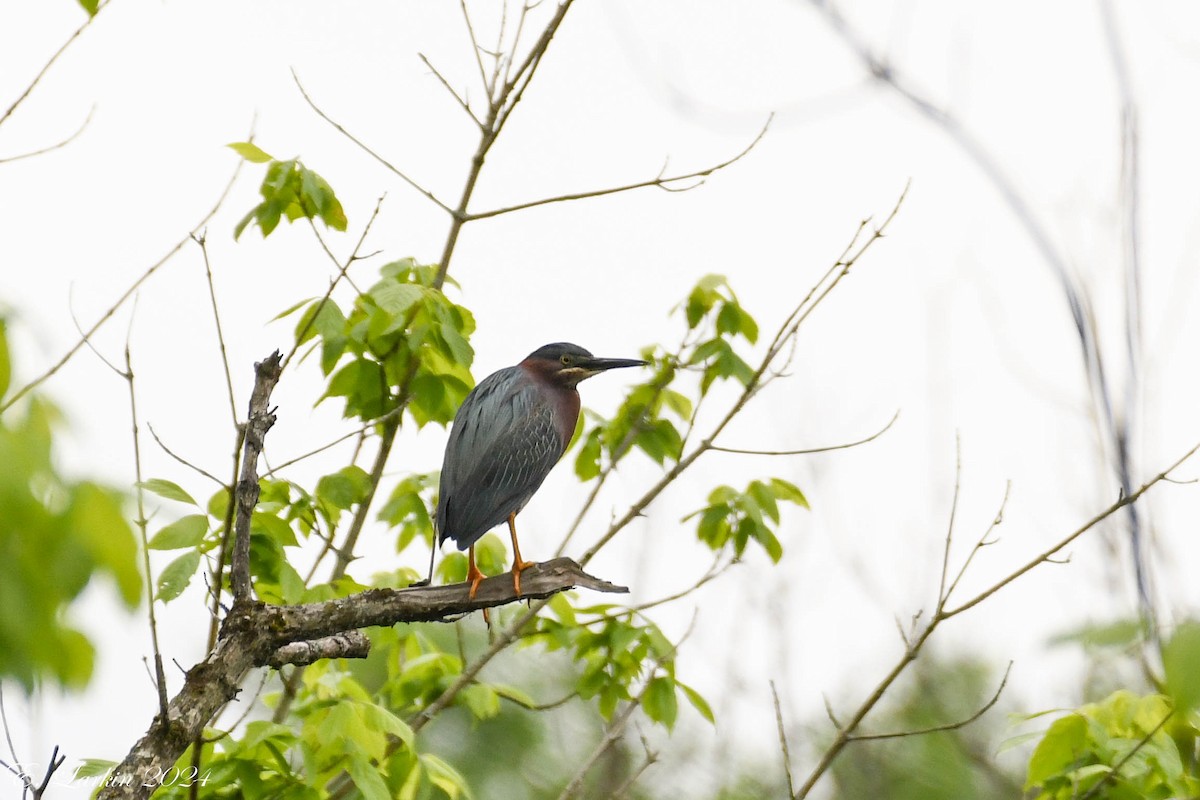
(518,567)
(475,577)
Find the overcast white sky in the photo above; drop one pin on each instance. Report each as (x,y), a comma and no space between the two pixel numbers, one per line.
(954,319)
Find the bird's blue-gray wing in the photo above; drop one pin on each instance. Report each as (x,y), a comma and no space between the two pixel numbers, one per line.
(503,444)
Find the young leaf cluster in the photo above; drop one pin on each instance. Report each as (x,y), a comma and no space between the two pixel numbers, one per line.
(1123,742)
(401,340)
(619,653)
(289,191)
(734,519)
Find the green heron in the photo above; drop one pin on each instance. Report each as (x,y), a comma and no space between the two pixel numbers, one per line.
(507,435)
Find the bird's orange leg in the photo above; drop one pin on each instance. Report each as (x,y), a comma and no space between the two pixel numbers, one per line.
(518,563)
(473,573)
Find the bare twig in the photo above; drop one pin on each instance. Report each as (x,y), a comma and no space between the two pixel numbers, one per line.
(1062,543)
(949,726)
(476,51)
(811,450)
(661,181)
(343,269)
(941,595)
(783,742)
(461,102)
(650,759)
(160,677)
(194,467)
(342,130)
(57,145)
(202,240)
(49,63)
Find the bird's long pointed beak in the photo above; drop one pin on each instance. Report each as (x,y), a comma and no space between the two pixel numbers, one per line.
(594,365)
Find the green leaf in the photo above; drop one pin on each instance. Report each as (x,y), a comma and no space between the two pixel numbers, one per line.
(789,491)
(184,532)
(1060,747)
(445,777)
(175,578)
(367,778)
(659,701)
(167,489)
(251,152)
(1181,662)
(380,719)
(698,702)
(90,6)
(482,700)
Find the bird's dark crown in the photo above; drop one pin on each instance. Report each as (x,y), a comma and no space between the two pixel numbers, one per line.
(555,351)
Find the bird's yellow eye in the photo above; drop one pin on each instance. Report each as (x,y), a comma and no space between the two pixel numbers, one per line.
(565,359)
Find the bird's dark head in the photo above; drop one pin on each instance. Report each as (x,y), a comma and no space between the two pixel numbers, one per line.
(567,364)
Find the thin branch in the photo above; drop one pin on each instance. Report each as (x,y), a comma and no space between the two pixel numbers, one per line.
(783,742)
(983,541)
(202,240)
(343,270)
(941,595)
(57,145)
(363,146)
(458,98)
(13,398)
(160,677)
(194,467)
(476,50)
(659,181)
(811,450)
(949,726)
(1055,549)
(56,761)
(651,758)
(46,67)
(8,735)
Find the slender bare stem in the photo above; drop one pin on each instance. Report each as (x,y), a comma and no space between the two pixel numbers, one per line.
(46,67)
(387,164)
(57,145)
(160,678)
(783,742)
(660,181)
(811,450)
(458,98)
(194,467)
(202,240)
(949,726)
